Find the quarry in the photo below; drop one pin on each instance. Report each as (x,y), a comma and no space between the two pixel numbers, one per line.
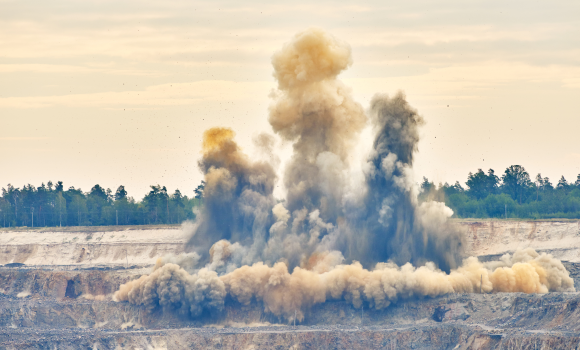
(57,285)
(349,256)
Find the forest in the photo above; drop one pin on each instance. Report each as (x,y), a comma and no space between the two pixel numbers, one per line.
(512,195)
(51,205)
(485,195)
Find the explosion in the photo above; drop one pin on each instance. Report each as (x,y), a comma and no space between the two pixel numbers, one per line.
(355,242)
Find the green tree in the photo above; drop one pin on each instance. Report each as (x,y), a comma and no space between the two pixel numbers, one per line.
(5,211)
(516,182)
(449,190)
(477,184)
(547,185)
(121,193)
(563,184)
(78,210)
(539,181)
(108,215)
(43,203)
(481,185)
(98,192)
(97,200)
(199,190)
(539,185)
(496,205)
(60,207)
(157,204)
(493,182)
(12,195)
(27,197)
(177,205)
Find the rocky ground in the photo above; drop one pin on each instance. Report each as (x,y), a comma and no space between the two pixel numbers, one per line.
(461,321)
(58,296)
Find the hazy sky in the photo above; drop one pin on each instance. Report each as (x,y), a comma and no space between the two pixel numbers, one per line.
(120,92)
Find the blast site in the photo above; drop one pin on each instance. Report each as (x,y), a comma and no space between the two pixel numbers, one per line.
(349,259)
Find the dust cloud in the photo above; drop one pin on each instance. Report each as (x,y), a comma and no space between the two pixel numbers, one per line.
(173,288)
(288,294)
(376,220)
(332,237)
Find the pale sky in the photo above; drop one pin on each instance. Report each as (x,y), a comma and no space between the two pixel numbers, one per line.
(120,92)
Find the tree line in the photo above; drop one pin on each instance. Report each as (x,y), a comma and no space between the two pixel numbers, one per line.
(485,195)
(513,195)
(51,205)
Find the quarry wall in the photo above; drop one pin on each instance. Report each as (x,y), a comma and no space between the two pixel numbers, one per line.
(56,292)
(94,246)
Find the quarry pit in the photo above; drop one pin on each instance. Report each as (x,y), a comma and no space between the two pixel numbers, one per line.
(56,288)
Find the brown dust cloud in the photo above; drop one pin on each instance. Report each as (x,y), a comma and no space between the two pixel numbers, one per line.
(367,241)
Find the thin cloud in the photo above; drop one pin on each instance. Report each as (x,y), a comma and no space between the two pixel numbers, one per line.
(159,95)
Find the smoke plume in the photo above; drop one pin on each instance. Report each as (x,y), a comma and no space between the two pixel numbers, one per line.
(393,225)
(315,111)
(371,243)
(238,197)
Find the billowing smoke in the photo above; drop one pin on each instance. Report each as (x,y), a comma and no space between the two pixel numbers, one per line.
(287,294)
(330,237)
(238,198)
(529,272)
(393,225)
(316,112)
(173,288)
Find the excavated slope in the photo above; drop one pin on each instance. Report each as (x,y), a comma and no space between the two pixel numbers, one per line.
(56,288)
(514,321)
(135,245)
(496,237)
(90,246)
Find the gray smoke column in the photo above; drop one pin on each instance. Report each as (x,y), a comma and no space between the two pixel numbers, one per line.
(393,224)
